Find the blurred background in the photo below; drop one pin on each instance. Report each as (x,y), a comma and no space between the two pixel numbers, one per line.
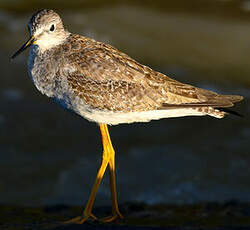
(50,156)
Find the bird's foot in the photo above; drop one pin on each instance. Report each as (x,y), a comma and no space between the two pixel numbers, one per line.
(115,216)
(81,219)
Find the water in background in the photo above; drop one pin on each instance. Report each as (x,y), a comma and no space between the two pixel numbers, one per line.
(50,156)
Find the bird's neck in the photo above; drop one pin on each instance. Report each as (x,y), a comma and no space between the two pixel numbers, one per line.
(46,43)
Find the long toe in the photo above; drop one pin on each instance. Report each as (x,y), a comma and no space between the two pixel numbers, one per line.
(112,218)
(81,219)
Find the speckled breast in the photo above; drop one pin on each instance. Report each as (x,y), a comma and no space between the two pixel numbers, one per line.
(43,68)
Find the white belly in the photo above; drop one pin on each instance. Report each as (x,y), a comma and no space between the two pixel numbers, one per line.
(114,118)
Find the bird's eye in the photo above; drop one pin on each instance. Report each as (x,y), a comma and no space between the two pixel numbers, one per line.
(52,28)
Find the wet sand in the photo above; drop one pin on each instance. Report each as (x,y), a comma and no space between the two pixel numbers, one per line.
(206,216)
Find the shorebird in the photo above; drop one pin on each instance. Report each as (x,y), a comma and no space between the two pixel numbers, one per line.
(106,86)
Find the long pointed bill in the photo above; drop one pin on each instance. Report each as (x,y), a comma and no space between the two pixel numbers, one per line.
(24,47)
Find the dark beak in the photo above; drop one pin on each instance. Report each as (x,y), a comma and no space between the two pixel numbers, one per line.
(24,47)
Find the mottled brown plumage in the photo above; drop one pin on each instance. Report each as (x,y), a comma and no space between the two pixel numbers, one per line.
(108,79)
(90,77)
(106,86)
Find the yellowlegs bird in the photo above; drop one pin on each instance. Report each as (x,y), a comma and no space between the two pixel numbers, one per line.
(106,86)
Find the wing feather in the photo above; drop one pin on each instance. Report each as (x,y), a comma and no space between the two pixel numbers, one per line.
(109,79)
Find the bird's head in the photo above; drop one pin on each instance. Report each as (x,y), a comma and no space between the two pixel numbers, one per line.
(46,31)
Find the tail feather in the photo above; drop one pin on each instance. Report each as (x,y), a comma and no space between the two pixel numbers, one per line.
(229,111)
(219,101)
(216,106)
(232,98)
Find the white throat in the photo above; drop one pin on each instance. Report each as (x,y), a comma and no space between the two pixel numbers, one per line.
(48,41)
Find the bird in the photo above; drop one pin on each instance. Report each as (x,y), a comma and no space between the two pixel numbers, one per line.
(108,87)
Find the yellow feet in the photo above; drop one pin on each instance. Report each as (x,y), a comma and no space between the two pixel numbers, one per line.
(81,219)
(112,218)
(88,217)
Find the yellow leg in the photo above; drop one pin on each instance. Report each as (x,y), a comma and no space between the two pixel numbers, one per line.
(108,158)
(115,210)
